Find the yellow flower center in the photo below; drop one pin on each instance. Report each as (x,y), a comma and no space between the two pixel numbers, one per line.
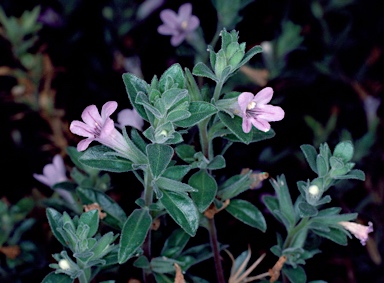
(251,105)
(184,24)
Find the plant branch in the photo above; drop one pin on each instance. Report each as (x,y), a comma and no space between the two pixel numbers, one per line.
(216,250)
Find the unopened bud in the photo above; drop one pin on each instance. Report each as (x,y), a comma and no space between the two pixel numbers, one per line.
(314,190)
(64,264)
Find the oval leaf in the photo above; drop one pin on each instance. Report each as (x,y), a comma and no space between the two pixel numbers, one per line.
(206,188)
(133,234)
(159,156)
(182,209)
(103,158)
(200,110)
(248,213)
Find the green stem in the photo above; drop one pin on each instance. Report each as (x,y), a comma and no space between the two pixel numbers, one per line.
(148,197)
(85,275)
(216,250)
(294,231)
(204,141)
(218,88)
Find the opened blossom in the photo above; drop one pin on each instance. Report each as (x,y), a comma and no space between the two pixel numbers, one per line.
(178,25)
(54,173)
(255,110)
(360,231)
(100,128)
(130,117)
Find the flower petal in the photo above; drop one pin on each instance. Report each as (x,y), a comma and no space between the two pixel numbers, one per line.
(58,162)
(185,11)
(177,39)
(166,30)
(42,179)
(244,99)
(107,129)
(246,125)
(83,144)
(91,115)
(261,124)
(81,129)
(170,18)
(130,117)
(193,23)
(271,113)
(264,96)
(107,109)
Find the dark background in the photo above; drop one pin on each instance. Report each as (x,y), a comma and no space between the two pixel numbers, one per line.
(83,48)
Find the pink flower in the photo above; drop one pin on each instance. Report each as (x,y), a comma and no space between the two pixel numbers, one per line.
(54,173)
(360,231)
(100,128)
(130,117)
(178,25)
(255,111)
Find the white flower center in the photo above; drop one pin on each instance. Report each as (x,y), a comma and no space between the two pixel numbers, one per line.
(184,24)
(64,264)
(314,190)
(251,105)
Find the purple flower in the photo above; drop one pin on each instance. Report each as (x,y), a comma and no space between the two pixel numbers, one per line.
(178,25)
(360,231)
(54,173)
(130,117)
(255,111)
(50,18)
(100,128)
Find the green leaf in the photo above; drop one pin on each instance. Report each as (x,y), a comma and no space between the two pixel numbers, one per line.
(335,235)
(247,213)
(192,87)
(173,96)
(133,234)
(103,158)
(176,73)
(206,188)
(307,210)
(321,166)
(55,221)
(186,152)
(250,53)
(163,264)
(353,174)
(182,209)
(133,85)
(311,155)
(91,218)
(202,70)
(295,275)
(115,214)
(234,125)
(174,245)
(159,156)
(57,278)
(74,154)
(173,185)
(176,172)
(284,197)
(142,99)
(234,186)
(218,162)
(200,110)
(177,115)
(344,150)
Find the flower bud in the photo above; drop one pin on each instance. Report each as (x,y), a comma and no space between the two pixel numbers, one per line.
(221,63)
(236,58)
(64,264)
